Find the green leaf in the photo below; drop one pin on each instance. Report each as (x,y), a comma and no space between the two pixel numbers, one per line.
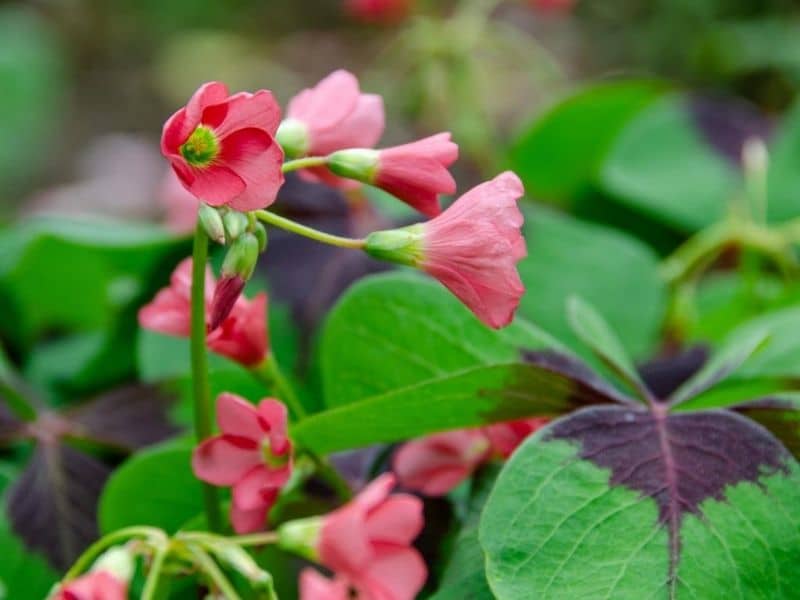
(24,575)
(610,270)
(582,510)
(394,330)
(595,332)
(661,167)
(155,487)
(784,170)
(559,155)
(722,365)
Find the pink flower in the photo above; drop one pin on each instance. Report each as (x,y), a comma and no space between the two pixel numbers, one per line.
(179,204)
(367,543)
(418,172)
(473,248)
(315,586)
(505,437)
(96,585)
(331,116)
(222,147)
(242,336)
(436,464)
(378,11)
(252,454)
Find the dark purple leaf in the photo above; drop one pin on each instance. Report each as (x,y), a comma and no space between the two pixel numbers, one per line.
(678,460)
(52,505)
(726,123)
(665,375)
(781,415)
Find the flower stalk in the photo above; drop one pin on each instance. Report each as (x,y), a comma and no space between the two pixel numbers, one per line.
(271,218)
(199,358)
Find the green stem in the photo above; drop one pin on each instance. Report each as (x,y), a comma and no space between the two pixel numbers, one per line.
(86,559)
(304,163)
(254,539)
(207,565)
(334,240)
(202,392)
(269,372)
(333,478)
(151,583)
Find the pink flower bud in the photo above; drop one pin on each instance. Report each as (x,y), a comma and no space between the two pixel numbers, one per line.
(226,294)
(252,454)
(417,173)
(367,543)
(222,147)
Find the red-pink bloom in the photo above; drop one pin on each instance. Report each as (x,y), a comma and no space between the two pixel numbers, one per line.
(417,173)
(436,464)
(315,586)
(96,585)
(252,454)
(179,204)
(367,543)
(222,147)
(473,248)
(378,11)
(242,336)
(331,116)
(505,437)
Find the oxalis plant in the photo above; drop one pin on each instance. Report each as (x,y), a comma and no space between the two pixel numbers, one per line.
(568,471)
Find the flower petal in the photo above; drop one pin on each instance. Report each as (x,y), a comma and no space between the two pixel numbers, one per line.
(237,416)
(315,586)
(395,573)
(221,460)
(398,520)
(256,158)
(215,185)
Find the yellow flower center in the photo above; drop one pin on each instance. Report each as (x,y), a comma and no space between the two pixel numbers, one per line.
(201,148)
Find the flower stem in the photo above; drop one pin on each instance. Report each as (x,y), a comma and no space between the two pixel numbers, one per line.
(269,372)
(86,559)
(254,539)
(334,240)
(153,576)
(304,163)
(202,392)
(207,565)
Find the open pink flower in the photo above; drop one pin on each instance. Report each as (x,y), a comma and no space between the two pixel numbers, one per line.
(367,543)
(436,464)
(315,586)
(242,336)
(331,116)
(252,454)
(417,173)
(378,11)
(473,248)
(96,585)
(222,147)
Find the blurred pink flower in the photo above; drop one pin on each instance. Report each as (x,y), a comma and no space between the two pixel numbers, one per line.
(417,173)
(179,204)
(242,336)
(473,247)
(378,11)
(436,464)
(367,543)
(331,116)
(96,585)
(252,454)
(222,147)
